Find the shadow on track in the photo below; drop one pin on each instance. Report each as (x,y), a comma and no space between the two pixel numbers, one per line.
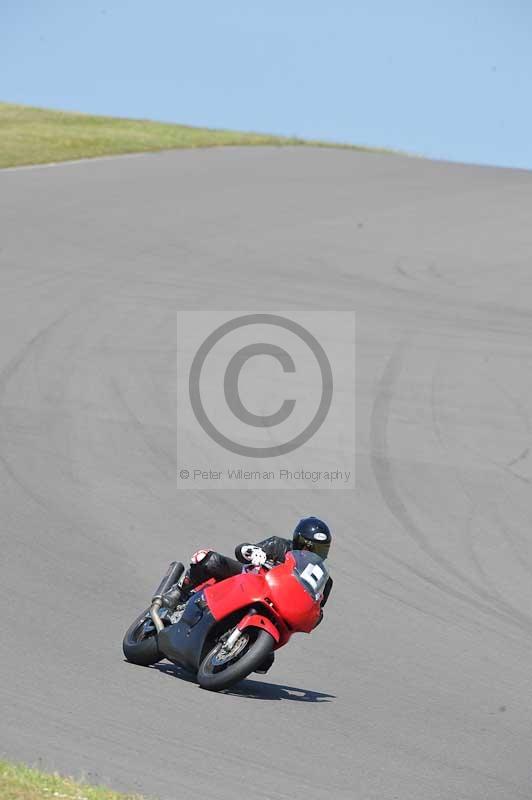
(276,691)
(255,690)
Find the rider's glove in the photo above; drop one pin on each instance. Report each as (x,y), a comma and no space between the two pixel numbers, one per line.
(258,557)
(247,551)
(255,554)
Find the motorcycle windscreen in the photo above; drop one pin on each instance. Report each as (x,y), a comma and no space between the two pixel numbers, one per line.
(311,571)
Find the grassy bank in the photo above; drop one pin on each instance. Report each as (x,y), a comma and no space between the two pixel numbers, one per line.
(38,136)
(18,782)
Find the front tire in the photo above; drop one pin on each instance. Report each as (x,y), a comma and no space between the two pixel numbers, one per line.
(141,648)
(216,676)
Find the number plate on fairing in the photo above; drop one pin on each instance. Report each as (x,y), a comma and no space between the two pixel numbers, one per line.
(311,571)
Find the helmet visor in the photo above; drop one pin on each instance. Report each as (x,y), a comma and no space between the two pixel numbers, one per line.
(321,549)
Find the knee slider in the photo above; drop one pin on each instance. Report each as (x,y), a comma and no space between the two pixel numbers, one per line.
(200,556)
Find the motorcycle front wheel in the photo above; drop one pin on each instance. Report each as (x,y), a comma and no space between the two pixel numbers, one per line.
(221,669)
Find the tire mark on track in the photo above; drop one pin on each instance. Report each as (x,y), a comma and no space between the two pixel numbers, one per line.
(505,529)
(462,487)
(6,374)
(384,475)
(158,453)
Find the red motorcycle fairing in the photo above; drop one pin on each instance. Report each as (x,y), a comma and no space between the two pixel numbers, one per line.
(242,592)
(293,603)
(277,590)
(232,594)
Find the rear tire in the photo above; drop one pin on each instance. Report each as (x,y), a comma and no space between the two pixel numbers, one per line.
(258,649)
(143,652)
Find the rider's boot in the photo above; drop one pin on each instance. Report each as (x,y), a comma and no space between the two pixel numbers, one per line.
(266,664)
(177,593)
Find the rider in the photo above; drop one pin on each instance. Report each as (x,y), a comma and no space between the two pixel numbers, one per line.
(310,533)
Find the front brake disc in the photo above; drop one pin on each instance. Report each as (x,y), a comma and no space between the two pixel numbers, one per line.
(223,655)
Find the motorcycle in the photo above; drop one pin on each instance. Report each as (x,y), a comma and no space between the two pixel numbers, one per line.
(225,630)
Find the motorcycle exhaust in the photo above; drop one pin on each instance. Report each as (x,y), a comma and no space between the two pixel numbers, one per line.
(172,575)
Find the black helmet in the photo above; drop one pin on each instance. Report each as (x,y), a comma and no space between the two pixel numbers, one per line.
(312,534)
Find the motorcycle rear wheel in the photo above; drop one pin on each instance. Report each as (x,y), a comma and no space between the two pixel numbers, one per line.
(139,650)
(216,677)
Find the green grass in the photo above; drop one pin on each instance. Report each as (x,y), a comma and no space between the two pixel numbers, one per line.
(39,136)
(18,782)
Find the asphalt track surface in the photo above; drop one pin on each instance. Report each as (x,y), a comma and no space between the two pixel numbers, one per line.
(418,686)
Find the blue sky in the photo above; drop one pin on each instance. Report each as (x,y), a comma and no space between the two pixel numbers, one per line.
(449,80)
